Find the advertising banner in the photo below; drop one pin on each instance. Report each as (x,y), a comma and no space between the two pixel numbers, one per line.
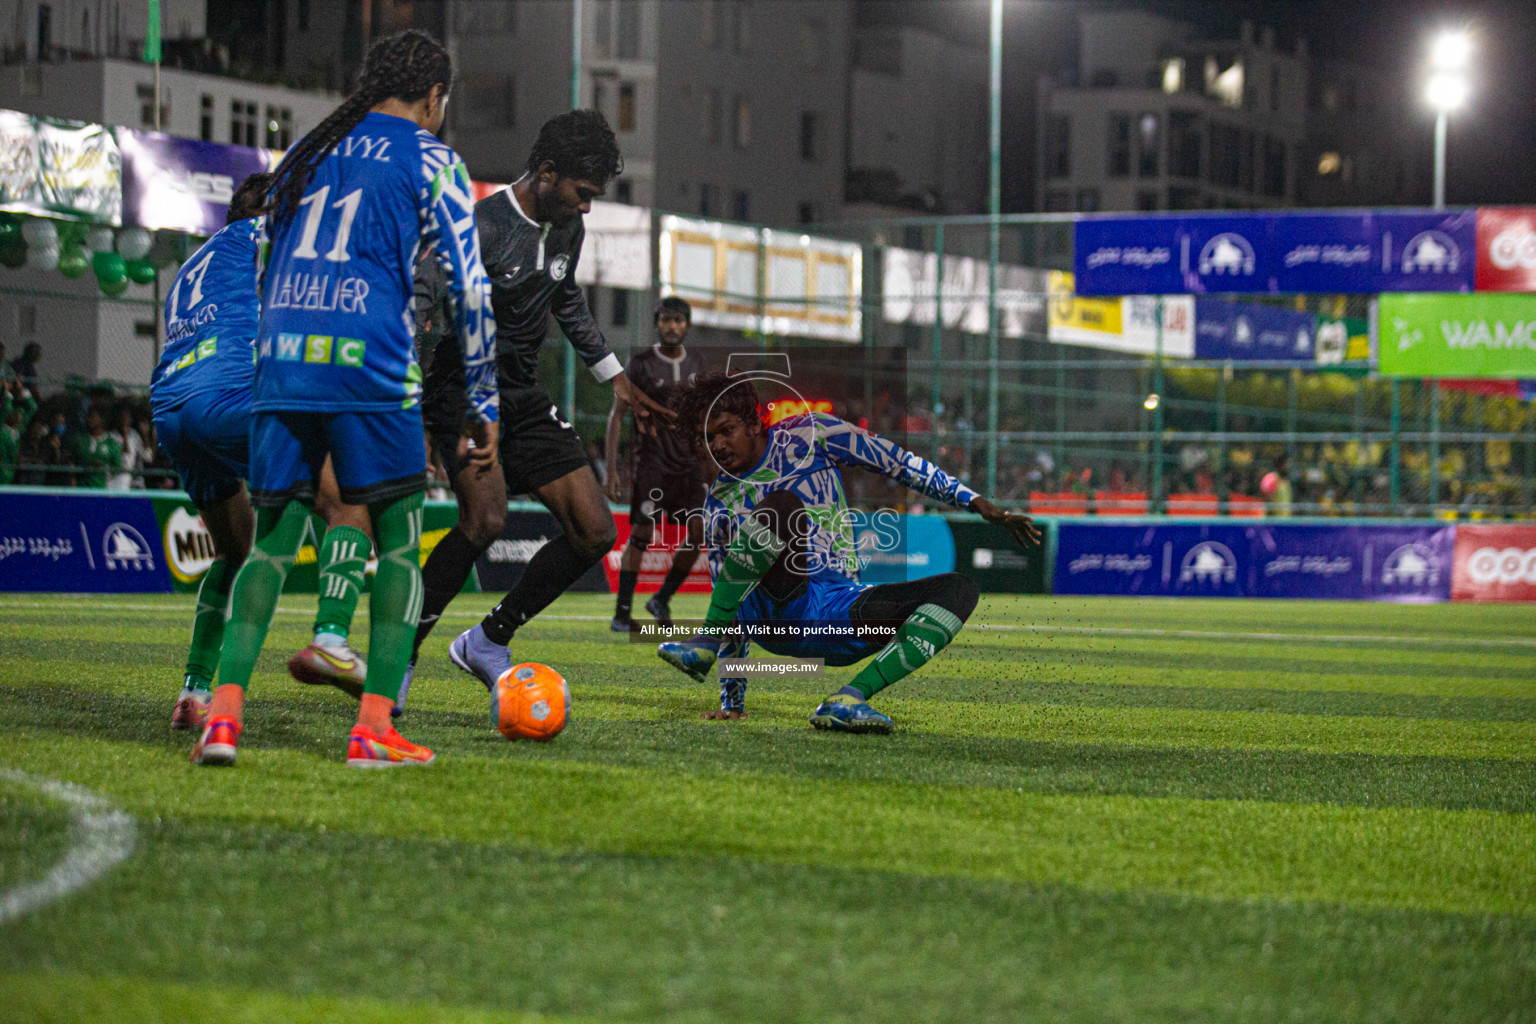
(1125,324)
(1459,336)
(1343,253)
(895,548)
(189,551)
(1495,563)
(502,565)
(656,561)
(909,287)
(52,167)
(1379,563)
(1240,331)
(1506,249)
(810,287)
(80,544)
(183,184)
(994,562)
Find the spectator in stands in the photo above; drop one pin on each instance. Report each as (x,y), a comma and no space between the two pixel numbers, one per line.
(132,447)
(95,451)
(145,428)
(41,450)
(10,445)
(24,366)
(6,373)
(1280,501)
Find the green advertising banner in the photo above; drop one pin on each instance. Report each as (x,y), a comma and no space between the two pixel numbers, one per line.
(1430,334)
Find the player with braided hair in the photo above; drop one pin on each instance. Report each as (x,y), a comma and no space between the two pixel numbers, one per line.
(352,205)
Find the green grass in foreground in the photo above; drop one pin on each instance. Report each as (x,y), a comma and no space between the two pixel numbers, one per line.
(1321,812)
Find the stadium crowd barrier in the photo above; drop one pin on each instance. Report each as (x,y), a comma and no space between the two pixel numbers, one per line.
(93,541)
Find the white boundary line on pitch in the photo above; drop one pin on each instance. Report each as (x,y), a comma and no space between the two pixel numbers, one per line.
(102,835)
(1129,631)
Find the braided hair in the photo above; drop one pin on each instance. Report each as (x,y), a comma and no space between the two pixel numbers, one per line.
(249,199)
(404,67)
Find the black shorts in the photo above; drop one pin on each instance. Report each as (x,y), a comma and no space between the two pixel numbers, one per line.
(537,447)
(658,489)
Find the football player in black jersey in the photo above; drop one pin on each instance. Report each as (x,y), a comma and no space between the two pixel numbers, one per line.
(530,240)
(667,476)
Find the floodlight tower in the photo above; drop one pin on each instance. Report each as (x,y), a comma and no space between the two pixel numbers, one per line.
(1449,58)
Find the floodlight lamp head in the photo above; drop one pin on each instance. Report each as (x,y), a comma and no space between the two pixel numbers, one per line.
(1451,51)
(1446,91)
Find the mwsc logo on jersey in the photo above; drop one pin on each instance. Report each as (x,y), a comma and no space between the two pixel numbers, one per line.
(1227,254)
(558,266)
(123,547)
(1411,565)
(1209,562)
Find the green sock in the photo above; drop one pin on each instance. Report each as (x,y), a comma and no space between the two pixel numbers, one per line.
(394,609)
(208,624)
(279,532)
(926,632)
(343,556)
(747,560)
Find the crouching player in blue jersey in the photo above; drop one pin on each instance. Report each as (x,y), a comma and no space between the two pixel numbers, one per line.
(781,550)
(350,207)
(200,395)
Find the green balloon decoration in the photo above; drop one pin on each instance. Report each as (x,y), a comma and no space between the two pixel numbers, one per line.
(115,288)
(73,264)
(110,269)
(141,271)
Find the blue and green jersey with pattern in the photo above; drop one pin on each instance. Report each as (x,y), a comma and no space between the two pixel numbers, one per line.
(803,457)
(210,320)
(337,334)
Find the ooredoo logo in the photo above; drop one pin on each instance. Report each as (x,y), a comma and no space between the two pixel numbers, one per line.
(1506,249)
(1502,565)
(1513,248)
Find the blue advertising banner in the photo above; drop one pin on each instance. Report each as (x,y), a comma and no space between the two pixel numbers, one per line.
(1375,563)
(894,548)
(1240,331)
(183,184)
(1342,253)
(80,544)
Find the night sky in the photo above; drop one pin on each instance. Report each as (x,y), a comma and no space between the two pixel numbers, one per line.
(1492,144)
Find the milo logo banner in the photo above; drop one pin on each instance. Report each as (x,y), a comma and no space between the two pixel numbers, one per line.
(1367,562)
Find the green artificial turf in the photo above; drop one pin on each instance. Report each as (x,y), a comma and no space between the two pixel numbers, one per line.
(1099,810)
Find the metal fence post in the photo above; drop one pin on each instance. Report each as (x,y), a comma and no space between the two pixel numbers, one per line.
(1397,454)
(1157,413)
(1221,428)
(1290,418)
(1434,443)
(935,395)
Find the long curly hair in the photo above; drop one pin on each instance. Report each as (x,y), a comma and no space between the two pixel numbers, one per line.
(717,390)
(403,67)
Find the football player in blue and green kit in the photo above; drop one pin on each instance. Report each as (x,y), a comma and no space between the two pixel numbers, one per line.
(350,207)
(781,552)
(200,395)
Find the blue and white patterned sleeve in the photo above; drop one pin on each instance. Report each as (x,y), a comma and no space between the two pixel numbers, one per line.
(448,230)
(848,445)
